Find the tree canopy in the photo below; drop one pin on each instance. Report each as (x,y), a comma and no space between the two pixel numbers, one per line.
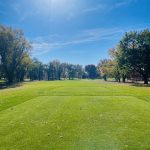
(13,49)
(134,53)
(129,60)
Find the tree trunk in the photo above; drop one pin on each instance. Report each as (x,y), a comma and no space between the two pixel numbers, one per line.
(124,79)
(10,78)
(145,79)
(59,76)
(105,78)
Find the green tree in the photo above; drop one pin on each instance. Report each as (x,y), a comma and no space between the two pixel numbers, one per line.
(91,71)
(36,70)
(120,70)
(79,71)
(13,48)
(55,70)
(106,67)
(23,68)
(71,71)
(134,53)
(64,70)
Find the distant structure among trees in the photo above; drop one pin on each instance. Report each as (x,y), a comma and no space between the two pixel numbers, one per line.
(129,60)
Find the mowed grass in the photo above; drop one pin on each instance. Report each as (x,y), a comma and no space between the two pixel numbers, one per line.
(75,115)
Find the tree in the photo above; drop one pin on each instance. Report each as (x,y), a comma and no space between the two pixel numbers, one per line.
(55,70)
(71,71)
(36,70)
(58,69)
(23,68)
(134,53)
(13,48)
(79,71)
(120,70)
(106,67)
(64,70)
(1,73)
(91,71)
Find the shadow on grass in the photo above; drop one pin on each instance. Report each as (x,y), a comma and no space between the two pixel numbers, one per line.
(5,85)
(131,83)
(112,81)
(140,85)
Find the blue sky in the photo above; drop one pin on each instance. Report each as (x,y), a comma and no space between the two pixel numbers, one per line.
(75,31)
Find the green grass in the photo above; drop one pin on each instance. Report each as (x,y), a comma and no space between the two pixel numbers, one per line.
(75,115)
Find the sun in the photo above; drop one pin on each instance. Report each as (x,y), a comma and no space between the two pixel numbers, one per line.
(59,7)
(61,4)
(55,8)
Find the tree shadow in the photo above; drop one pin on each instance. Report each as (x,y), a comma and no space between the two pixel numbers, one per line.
(113,81)
(140,85)
(131,83)
(5,85)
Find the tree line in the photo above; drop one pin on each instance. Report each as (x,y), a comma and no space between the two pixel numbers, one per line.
(130,59)
(16,63)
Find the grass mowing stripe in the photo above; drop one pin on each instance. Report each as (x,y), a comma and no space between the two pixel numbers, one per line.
(86,122)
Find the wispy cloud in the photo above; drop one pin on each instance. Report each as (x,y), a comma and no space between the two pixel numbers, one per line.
(94,8)
(35,9)
(41,45)
(41,48)
(106,7)
(123,3)
(46,44)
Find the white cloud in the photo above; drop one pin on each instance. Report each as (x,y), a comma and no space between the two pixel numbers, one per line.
(123,3)
(64,8)
(106,7)
(46,44)
(41,48)
(43,45)
(100,7)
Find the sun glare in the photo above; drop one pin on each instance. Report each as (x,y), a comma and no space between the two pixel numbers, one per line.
(55,7)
